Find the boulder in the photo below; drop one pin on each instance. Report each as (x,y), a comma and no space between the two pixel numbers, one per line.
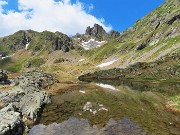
(10,122)
(27,101)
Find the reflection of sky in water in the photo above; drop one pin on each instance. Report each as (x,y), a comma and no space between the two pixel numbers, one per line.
(137,101)
(107,86)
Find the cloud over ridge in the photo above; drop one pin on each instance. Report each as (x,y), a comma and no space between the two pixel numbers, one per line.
(51,15)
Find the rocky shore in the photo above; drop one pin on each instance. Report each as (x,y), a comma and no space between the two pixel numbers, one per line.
(23,104)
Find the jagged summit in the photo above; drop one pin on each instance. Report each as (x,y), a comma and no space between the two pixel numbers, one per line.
(97,31)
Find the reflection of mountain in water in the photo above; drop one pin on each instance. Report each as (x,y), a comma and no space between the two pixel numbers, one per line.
(167,88)
(73,126)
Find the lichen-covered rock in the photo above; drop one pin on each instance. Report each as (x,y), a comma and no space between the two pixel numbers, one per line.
(10,122)
(27,100)
(36,78)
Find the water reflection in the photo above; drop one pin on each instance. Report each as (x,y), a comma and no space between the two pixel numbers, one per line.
(169,89)
(107,86)
(140,102)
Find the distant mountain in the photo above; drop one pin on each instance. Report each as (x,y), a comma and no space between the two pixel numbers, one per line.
(155,36)
(36,41)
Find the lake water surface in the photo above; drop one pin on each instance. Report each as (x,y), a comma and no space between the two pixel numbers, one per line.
(142,103)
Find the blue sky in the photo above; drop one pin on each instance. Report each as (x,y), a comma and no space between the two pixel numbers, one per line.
(70,16)
(122,14)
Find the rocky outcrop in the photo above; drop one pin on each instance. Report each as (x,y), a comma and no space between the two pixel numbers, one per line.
(63,43)
(173,19)
(3,76)
(114,34)
(36,78)
(97,31)
(73,126)
(27,99)
(10,121)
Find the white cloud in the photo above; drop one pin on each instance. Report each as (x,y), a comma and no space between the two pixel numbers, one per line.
(41,15)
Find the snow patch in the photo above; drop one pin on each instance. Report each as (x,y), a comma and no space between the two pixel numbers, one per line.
(92,43)
(103,109)
(81,60)
(107,86)
(81,91)
(106,63)
(27,46)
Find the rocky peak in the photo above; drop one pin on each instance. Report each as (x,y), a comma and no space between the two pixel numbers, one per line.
(97,31)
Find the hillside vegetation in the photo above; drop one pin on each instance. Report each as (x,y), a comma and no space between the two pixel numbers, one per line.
(153,38)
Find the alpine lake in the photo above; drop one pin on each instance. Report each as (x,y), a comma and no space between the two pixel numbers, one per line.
(143,103)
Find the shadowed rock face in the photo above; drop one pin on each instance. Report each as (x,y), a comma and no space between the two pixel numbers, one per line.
(173,19)
(63,43)
(74,126)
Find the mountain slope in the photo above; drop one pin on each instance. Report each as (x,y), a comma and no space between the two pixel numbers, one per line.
(155,35)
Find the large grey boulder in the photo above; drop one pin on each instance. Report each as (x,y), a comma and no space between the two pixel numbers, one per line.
(26,100)
(29,100)
(10,122)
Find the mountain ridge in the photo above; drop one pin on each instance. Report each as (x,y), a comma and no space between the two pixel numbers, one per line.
(154,36)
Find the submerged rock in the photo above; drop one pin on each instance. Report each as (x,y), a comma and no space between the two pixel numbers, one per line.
(73,126)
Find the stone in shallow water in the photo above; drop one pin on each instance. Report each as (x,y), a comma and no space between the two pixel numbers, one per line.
(73,126)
